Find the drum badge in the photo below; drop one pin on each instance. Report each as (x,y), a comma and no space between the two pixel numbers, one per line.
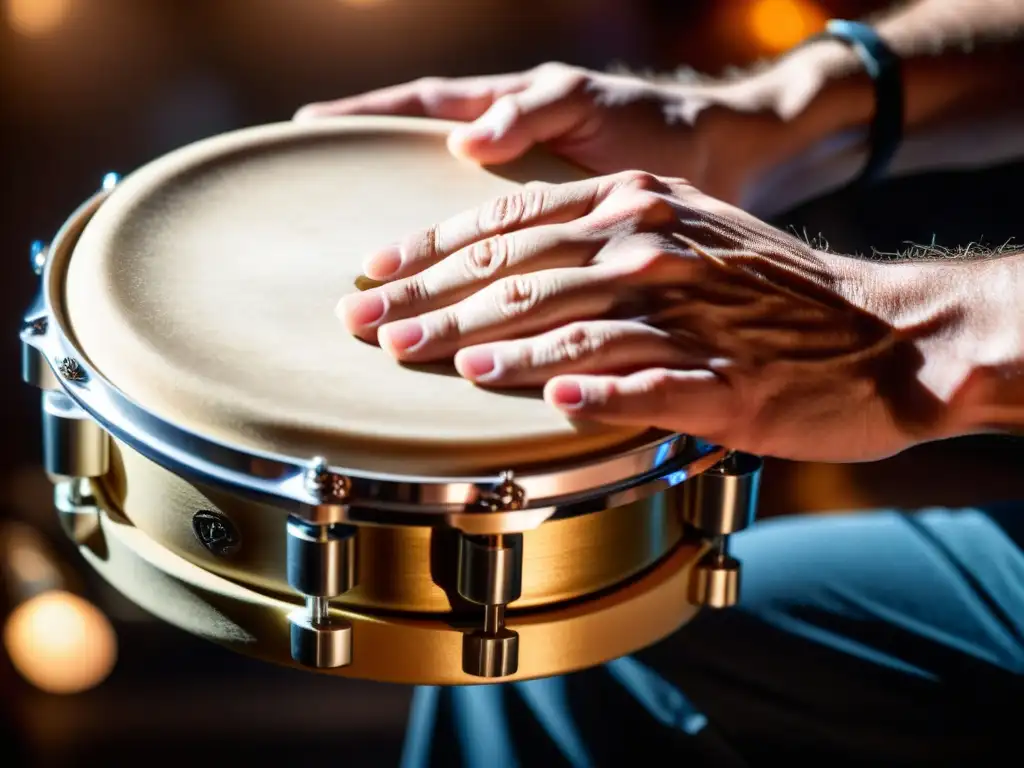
(216,533)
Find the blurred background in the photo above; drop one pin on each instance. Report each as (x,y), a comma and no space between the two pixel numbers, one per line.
(90,86)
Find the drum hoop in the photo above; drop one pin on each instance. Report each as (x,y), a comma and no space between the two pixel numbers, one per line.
(278,480)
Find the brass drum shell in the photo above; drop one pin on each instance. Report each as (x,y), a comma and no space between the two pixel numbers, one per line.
(406,569)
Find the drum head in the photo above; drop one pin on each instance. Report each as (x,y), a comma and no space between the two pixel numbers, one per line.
(205,289)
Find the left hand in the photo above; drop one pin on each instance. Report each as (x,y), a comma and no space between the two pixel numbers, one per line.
(637,299)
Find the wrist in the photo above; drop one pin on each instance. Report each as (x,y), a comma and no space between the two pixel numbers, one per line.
(959,327)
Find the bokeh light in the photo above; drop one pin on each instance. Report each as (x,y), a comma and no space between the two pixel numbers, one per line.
(778,25)
(60,643)
(36,18)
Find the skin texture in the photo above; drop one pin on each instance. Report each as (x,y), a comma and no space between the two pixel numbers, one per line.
(604,123)
(638,299)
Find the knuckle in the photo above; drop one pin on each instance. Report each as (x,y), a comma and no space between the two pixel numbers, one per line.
(485,258)
(425,245)
(640,180)
(557,72)
(446,325)
(508,211)
(652,208)
(656,388)
(575,343)
(428,84)
(516,294)
(411,291)
(551,68)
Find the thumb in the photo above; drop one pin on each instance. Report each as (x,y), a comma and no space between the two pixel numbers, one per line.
(515,122)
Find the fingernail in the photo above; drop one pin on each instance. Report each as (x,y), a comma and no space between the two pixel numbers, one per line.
(567,394)
(476,363)
(364,310)
(467,134)
(403,335)
(384,264)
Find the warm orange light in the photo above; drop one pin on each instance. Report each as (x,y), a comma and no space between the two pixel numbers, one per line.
(35,18)
(361,3)
(60,643)
(778,25)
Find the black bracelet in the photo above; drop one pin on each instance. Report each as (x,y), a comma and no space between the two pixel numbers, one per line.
(884,68)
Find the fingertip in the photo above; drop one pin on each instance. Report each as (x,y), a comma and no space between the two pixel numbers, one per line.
(478,364)
(565,393)
(384,264)
(465,142)
(308,112)
(483,147)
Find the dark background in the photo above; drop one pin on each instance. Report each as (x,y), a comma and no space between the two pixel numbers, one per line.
(88,86)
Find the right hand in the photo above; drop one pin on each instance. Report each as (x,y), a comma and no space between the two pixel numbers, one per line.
(719,136)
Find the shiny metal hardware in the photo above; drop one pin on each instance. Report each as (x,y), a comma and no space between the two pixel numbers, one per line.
(77,508)
(39,253)
(70,369)
(490,573)
(35,368)
(723,500)
(73,444)
(506,496)
(718,503)
(323,484)
(715,581)
(318,641)
(321,562)
(491,569)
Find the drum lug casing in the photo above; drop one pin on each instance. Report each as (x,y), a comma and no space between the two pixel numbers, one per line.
(718,503)
(73,444)
(321,564)
(490,573)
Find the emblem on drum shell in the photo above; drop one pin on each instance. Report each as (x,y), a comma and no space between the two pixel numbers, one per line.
(70,369)
(216,532)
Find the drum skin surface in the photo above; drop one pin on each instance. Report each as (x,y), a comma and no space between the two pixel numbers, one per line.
(205,289)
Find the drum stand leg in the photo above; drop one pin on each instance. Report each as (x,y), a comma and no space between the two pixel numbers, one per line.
(719,503)
(491,575)
(321,565)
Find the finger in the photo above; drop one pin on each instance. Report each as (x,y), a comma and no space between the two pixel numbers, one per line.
(443,99)
(508,309)
(464,273)
(697,402)
(587,347)
(530,206)
(549,108)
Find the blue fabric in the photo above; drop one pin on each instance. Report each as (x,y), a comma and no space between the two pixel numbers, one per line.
(886,637)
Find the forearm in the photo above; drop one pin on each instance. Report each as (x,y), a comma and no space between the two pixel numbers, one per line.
(963,69)
(959,317)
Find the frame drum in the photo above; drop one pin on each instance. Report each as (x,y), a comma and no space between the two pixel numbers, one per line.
(229,457)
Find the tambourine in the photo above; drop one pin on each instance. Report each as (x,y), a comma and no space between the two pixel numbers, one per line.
(229,457)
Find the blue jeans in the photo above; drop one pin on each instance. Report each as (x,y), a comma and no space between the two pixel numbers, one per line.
(880,638)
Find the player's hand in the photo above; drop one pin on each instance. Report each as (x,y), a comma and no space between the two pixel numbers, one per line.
(721,136)
(637,299)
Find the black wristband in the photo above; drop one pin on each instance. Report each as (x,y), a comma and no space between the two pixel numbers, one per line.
(884,68)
